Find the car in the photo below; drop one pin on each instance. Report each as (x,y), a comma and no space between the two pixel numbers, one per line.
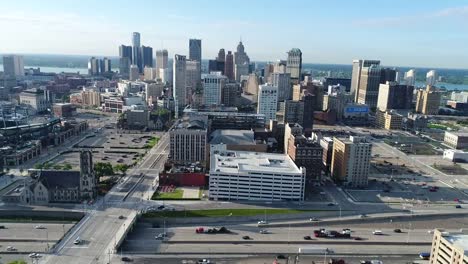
(397,230)
(425,255)
(314,219)
(365,262)
(126,259)
(280,256)
(160,207)
(246,237)
(261,223)
(121,217)
(377,232)
(2,227)
(203,261)
(161,235)
(307,238)
(40,227)
(77,241)
(10,248)
(458,206)
(35,255)
(263,231)
(358,238)
(363,216)
(331,204)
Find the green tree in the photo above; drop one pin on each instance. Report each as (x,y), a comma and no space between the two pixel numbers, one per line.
(121,167)
(103,168)
(67,166)
(17,262)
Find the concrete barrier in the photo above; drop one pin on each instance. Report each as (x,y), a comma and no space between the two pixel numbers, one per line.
(42,215)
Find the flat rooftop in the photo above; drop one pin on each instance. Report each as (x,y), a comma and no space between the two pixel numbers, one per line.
(232,137)
(459,240)
(245,162)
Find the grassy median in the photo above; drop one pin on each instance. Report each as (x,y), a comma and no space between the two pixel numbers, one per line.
(225,212)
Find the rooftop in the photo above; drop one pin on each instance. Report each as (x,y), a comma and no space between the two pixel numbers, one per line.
(232,137)
(245,162)
(459,240)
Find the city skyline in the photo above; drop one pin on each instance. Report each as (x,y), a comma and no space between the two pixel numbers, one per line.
(396,36)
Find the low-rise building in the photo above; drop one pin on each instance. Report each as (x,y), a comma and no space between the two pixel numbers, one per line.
(137,118)
(241,175)
(414,122)
(39,99)
(188,141)
(449,248)
(388,119)
(456,155)
(64,110)
(457,140)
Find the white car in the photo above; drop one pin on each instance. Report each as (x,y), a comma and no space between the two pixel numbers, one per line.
(260,223)
(377,232)
(264,231)
(34,255)
(40,227)
(10,248)
(77,241)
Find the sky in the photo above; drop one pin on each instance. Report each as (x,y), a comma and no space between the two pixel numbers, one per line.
(429,33)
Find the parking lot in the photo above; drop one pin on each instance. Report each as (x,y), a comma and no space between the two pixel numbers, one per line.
(31,236)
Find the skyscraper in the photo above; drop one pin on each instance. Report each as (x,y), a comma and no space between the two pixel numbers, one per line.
(161,61)
(136,59)
(410,77)
(13,65)
(93,66)
(294,63)
(106,65)
(125,60)
(241,62)
(195,50)
(221,55)
(179,82)
(212,88)
(356,75)
(267,101)
(368,90)
(147,56)
(229,66)
(388,75)
(394,96)
(193,78)
(431,77)
(428,101)
(283,82)
(134,73)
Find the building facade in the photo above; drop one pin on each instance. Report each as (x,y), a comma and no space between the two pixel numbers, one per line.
(449,248)
(294,63)
(136,48)
(13,65)
(39,99)
(179,82)
(283,82)
(212,88)
(161,62)
(456,140)
(229,66)
(351,161)
(428,101)
(356,74)
(394,96)
(267,101)
(368,89)
(188,142)
(195,50)
(239,175)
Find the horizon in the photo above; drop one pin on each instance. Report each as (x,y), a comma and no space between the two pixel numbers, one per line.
(430,35)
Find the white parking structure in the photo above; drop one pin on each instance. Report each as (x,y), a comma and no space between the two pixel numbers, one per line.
(241,175)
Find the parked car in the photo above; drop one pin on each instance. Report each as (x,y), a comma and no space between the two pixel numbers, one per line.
(458,206)
(377,232)
(10,248)
(397,230)
(39,227)
(126,259)
(307,238)
(280,256)
(2,227)
(314,219)
(264,231)
(246,237)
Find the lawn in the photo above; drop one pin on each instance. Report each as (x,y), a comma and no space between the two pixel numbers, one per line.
(224,212)
(151,142)
(175,195)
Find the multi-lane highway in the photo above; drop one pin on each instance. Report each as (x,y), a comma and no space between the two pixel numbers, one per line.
(99,227)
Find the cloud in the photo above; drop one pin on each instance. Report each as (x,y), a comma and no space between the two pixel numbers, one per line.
(453,12)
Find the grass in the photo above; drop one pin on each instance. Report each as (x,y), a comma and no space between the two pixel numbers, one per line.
(177,194)
(224,212)
(151,142)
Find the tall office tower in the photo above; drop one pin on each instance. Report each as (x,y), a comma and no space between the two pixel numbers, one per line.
(161,61)
(241,62)
(195,50)
(193,78)
(428,101)
(394,96)
(230,93)
(221,55)
(93,66)
(351,161)
(124,67)
(13,65)
(388,75)
(431,77)
(147,56)
(179,82)
(283,82)
(294,63)
(216,66)
(149,73)
(267,71)
(106,65)
(368,90)
(229,66)
(267,101)
(410,77)
(251,86)
(134,73)
(356,75)
(280,66)
(212,88)
(125,52)
(301,112)
(136,58)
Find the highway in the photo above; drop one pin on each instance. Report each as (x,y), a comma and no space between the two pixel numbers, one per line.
(98,228)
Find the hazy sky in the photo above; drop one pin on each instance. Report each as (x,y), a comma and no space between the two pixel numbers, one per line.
(432,33)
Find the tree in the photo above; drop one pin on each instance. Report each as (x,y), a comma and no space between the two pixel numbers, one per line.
(121,167)
(17,262)
(103,168)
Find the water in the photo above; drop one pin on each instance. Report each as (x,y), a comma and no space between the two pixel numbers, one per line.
(448,86)
(57,69)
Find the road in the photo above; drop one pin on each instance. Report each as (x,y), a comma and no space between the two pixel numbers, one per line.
(98,228)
